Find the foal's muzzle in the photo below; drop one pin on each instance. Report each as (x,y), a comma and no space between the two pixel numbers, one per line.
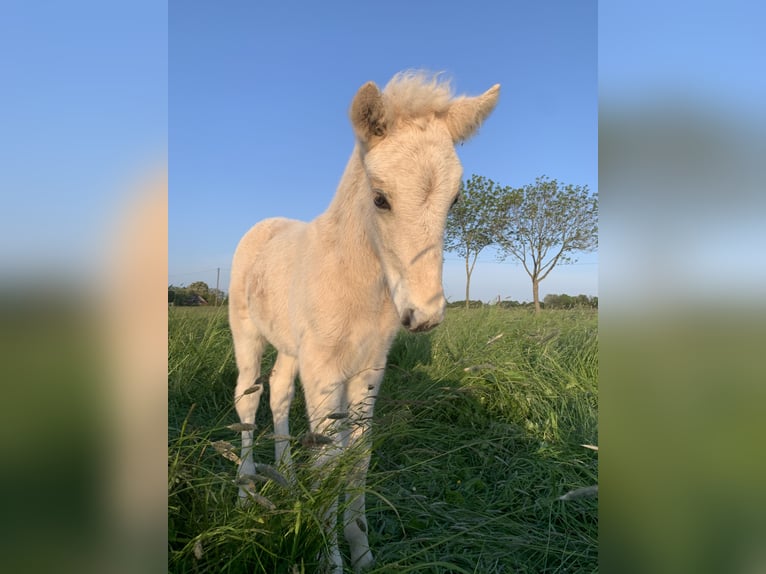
(416,321)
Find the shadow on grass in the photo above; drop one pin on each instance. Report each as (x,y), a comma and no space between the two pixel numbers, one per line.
(474,491)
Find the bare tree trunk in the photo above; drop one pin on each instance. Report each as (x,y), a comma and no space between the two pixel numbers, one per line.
(467,282)
(536,293)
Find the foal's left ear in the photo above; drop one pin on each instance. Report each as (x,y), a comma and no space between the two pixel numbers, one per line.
(465,115)
(368,114)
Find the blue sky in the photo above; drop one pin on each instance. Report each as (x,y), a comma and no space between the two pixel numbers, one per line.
(706,52)
(84,111)
(683,83)
(87,89)
(258,125)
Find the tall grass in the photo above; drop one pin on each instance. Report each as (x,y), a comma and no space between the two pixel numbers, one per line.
(477,433)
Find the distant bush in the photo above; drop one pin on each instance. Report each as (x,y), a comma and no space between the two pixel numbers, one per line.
(564,301)
(517,305)
(192,296)
(461,304)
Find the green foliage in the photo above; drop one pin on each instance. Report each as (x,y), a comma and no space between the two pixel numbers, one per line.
(477,433)
(513,304)
(542,225)
(471,304)
(564,301)
(200,288)
(217,297)
(545,223)
(190,296)
(549,217)
(181,296)
(471,223)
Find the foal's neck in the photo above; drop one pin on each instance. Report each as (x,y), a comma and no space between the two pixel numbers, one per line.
(344,228)
(344,219)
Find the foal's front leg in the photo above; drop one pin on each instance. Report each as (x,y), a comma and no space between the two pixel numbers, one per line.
(281,393)
(248,346)
(323,400)
(362,392)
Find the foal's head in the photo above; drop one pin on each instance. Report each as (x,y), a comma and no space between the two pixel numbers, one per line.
(407,136)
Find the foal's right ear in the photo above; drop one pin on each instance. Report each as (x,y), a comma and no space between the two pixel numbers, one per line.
(465,115)
(368,114)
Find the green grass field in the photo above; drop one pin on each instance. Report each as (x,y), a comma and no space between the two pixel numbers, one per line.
(478,432)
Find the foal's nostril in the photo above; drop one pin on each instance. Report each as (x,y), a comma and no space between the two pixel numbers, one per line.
(407,318)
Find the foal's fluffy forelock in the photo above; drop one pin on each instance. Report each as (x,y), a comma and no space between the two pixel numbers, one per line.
(415,94)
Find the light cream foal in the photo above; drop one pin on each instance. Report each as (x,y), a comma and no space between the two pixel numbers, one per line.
(330,295)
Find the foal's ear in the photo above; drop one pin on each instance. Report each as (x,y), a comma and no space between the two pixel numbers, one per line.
(368,114)
(465,115)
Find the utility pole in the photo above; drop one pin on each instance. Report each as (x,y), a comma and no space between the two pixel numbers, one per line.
(217,277)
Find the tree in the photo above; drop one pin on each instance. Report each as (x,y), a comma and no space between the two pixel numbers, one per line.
(200,288)
(181,296)
(217,297)
(471,222)
(544,223)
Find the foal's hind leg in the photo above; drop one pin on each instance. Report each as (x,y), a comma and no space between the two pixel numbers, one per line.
(248,348)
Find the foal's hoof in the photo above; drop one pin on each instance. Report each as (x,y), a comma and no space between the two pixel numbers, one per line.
(244,500)
(364,562)
(330,563)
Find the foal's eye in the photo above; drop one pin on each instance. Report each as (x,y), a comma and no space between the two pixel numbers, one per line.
(381,202)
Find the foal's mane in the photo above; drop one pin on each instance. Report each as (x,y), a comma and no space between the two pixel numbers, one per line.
(415,94)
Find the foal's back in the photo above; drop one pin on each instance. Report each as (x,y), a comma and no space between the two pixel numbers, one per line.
(263,277)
